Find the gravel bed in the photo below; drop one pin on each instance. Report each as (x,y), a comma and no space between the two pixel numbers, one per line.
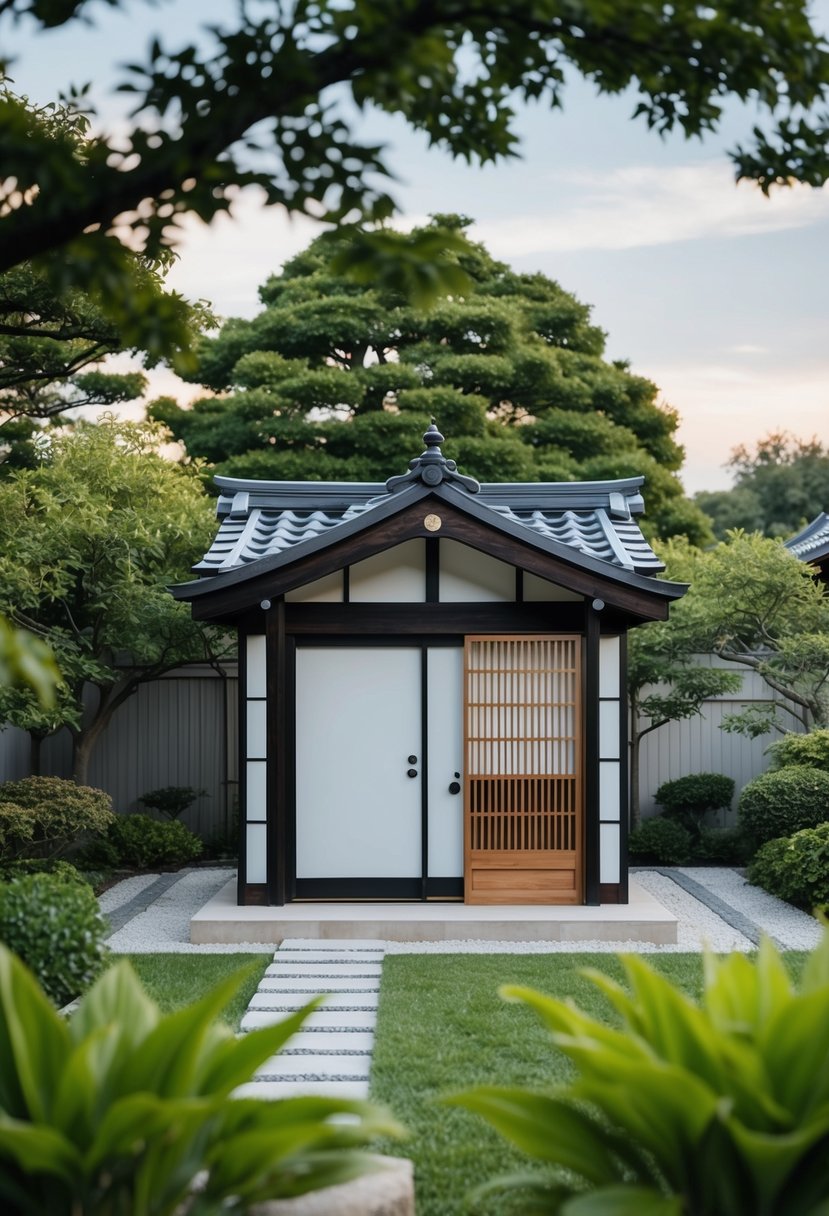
(124,891)
(165,926)
(795,930)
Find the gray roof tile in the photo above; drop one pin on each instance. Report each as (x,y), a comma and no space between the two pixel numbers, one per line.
(811,544)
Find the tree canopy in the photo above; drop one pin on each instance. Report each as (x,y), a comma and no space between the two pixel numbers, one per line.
(755,604)
(333,380)
(779,485)
(275,101)
(89,540)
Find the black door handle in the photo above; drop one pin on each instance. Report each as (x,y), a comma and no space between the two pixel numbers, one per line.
(454,787)
(412,772)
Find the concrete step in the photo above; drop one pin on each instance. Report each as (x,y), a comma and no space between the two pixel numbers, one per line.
(309,957)
(361,1041)
(335,1019)
(283,1065)
(277,983)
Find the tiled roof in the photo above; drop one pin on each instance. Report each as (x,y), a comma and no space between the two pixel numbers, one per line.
(260,518)
(811,544)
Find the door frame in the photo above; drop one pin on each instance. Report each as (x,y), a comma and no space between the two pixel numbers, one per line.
(418,889)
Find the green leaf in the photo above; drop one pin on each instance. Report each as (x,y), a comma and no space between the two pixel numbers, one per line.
(548,1128)
(38,1150)
(34,1041)
(624,1201)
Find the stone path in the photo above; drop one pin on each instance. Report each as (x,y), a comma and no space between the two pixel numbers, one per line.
(332,1053)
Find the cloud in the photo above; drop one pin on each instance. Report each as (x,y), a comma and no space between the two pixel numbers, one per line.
(636,206)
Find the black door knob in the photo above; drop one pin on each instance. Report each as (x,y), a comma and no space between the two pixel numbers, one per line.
(412,759)
(412,772)
(454,787)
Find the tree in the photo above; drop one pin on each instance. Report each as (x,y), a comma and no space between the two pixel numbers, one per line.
(778,486)
(666,683)
(332,380)
(753,603)
(89,539)
(51,347)
(273,102)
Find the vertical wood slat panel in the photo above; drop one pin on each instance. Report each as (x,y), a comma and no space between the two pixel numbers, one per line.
(523,759)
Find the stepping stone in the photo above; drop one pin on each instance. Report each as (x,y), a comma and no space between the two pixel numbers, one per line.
(342,1019)
(297,1089)
(268,998)
(320,1066)
(361,1041)
(369,945)
(325,970)
(304,957)
(279,983)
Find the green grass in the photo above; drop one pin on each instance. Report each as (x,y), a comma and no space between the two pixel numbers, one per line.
(442,1027)
(174,980)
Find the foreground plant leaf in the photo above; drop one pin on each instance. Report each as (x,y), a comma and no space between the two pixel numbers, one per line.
(711,1108)
(118,1110)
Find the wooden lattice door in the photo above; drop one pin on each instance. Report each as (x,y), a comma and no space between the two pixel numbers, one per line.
(523,748)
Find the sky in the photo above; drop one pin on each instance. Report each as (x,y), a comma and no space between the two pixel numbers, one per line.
(714,292)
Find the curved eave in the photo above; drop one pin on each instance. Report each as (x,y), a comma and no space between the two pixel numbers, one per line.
(252,575)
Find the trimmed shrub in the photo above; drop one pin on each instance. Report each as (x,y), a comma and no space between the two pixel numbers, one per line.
(172,800)
(22,866)
(661,841)
(41,816)
(138,840)
(795,868)
(782,802)
(55,927)
(811,751)
(722,846)
(688,799)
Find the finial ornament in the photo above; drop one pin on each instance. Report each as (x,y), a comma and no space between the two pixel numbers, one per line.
(431,467)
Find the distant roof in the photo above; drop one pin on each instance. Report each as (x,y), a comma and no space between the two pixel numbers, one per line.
(260,519)
(811,544)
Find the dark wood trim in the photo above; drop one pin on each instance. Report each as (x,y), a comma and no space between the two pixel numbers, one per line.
(346,584)
(228,598)
(255,894)
(519,585)
(423,619)
(366,890)
(432,570)
(424,770)
(290,768)
(624,778)
(275,650)
(591,760)
(241,732)
(611,893)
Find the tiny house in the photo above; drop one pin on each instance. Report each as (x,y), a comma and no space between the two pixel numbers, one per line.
(432,692)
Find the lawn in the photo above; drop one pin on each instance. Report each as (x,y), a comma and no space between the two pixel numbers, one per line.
(174,980)
(442,1027)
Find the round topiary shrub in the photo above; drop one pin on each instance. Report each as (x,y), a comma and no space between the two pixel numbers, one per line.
(811,750)
(782,802)
(722,847)
(56,928)
(41,816)
(661,841)
(795,868)
(143,842)
(689,799)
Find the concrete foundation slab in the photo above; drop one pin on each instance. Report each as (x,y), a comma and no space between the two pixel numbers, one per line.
(222,921)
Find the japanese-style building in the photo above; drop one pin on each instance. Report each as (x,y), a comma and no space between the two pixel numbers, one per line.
(811,544)
(432,683)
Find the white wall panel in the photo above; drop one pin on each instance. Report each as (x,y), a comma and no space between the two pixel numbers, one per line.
(609,870)
(256,772)
(469,576)
(609,673)
(328,590)
(257,853)
(256,730)
(608,730)
(396,576)
(445,717)
(609,789)
(256,666)
(541,590)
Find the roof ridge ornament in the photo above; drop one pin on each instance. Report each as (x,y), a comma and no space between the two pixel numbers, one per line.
(431,467)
